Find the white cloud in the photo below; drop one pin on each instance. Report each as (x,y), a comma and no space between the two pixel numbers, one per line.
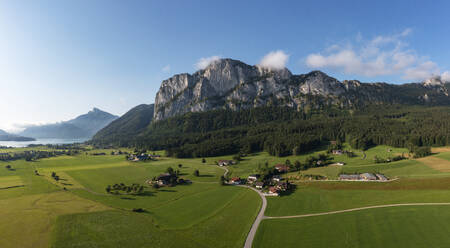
(380,56)
(445,77)
(274,60)
(166,69)
(202,63)
(422,71)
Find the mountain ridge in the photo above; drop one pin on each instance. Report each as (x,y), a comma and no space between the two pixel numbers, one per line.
(5,136)
(83,126)
(232,84)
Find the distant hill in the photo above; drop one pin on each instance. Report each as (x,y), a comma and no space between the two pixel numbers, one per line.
(83,126)
(127,126)
(4,136)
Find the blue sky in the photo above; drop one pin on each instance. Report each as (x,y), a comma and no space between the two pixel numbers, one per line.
(59,59)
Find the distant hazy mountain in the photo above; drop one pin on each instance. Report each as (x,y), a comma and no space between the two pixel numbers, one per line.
(127,126)
(84,126)
(4,136)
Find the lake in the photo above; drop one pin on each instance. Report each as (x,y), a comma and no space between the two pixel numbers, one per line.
(41,141)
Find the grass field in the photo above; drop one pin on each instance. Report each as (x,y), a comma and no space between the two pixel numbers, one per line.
(421,226)
(315,197)
(27,220)
(227,228)
(197,214)
(10,182)
(203,214)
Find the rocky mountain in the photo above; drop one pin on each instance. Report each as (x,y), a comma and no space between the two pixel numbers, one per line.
(127,126)
(231,84)
(4,136)
(83,126)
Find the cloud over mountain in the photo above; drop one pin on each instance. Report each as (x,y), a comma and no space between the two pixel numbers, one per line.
(202,63)
(274,60)
(380,56)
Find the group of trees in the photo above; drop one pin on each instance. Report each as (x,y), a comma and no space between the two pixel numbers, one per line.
(121,188)
(36,154)
(54,176)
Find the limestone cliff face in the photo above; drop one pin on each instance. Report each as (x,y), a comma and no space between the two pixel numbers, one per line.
(231,84)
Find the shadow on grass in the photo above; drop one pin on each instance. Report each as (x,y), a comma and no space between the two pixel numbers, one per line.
(127,198)
(206,176)
(167,190)
(147,193)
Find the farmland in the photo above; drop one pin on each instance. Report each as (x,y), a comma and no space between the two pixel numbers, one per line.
(383,227)
(76,210)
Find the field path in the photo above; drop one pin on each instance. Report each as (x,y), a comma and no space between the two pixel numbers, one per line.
(362,208)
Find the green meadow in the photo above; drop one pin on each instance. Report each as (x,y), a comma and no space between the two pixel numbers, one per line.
(421,226)
(76,211)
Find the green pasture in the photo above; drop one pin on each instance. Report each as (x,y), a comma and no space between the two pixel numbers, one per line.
(411,226)
(226,228)
(316,197)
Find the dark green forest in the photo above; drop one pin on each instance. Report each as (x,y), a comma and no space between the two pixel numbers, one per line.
(283,131)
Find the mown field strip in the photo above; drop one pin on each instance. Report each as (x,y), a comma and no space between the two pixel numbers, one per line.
(435,163)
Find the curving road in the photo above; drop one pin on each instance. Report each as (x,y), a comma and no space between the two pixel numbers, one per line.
(259,218)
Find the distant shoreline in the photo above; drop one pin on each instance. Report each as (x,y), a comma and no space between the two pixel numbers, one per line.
(18,144)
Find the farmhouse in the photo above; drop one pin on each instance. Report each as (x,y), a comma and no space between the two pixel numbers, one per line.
(225,162)
(273,191)
(282,186)
(259,185)
(235,180)
(253,177)
(381,177)
(368,176)
(340,163)
(139,157)
(281,168)
(277,178)
(337,152)
(363,177)
(346,177)
(164,179)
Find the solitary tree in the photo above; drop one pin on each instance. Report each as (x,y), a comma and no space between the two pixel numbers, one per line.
(180,165)
(170,170)
(53,174)
(222,180)
(196,173)
(8,167)
(141,189)
(297,165)
(108,189)
(203,160)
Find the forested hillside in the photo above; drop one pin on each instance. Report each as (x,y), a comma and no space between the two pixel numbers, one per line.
(284,131)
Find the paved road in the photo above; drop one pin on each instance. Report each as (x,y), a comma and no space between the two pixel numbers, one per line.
(358,209)
(259,218)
